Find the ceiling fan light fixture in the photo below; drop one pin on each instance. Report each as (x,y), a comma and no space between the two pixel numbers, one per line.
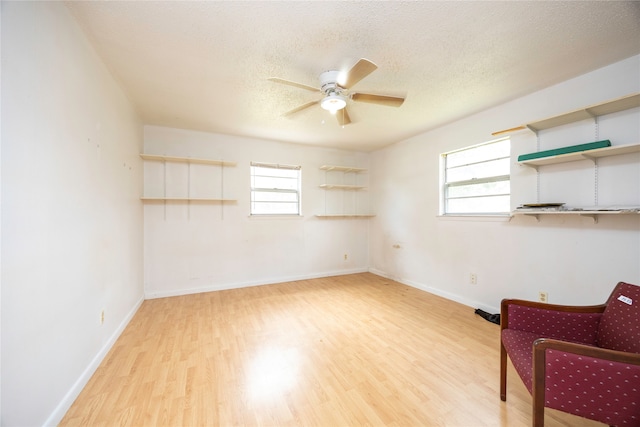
(335,89)
(333,103)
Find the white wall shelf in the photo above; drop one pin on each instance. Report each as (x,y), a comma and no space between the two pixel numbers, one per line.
(353,186)
(582,155)
(345,215)
(341,187)
(590,214)
(347,169)
(189,161)
(590,112)
(184,199)
(193,160)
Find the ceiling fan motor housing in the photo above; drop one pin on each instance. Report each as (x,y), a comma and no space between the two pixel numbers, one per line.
(329,82)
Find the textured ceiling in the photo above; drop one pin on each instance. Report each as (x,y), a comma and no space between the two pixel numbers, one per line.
(204,65)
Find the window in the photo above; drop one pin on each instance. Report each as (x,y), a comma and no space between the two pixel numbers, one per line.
(476,179)
(275,189)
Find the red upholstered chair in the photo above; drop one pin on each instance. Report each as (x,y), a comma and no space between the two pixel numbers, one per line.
(584,360)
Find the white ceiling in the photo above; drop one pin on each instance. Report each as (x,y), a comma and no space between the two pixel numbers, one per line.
(204,65)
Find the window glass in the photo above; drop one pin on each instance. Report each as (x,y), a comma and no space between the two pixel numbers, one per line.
(275,189)
(476,179)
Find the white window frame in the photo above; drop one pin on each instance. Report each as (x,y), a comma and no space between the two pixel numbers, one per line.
(292,190)
(446,185)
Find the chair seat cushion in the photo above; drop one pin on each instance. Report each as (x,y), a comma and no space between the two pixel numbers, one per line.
(519,345)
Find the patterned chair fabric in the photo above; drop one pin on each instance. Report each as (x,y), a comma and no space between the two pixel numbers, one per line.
(620,325)
(580,360)
(593,388)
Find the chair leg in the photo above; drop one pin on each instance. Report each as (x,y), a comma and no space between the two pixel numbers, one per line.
(539,382)
(503,373)
(538,414)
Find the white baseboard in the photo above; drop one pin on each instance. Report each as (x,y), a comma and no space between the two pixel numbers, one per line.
(439,292)
(237,285)
(73,393)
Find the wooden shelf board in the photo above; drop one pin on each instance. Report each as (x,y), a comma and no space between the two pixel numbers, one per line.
(583,155)
(590,214)
(193,160)
(187,199)
(341,187)
(345,215)
(574,116)
(331,168)
(609,107)
(622,212)
(620,104)
(613,106)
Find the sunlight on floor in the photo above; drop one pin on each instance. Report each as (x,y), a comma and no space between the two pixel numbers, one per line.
(272,372)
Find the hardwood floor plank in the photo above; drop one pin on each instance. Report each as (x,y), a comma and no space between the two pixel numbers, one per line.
(339,351)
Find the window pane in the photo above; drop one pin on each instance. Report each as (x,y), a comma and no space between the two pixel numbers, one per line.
(270,196)
(275,182)
(496,204)
(480,153)
(482,189)
(275,190)
(477,179)
(480,170)
(284,173)
(274,208)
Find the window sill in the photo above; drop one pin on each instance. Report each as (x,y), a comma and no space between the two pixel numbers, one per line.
(476,217)
(276,216)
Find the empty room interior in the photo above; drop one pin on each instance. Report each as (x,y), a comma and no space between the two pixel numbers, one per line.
(304,213)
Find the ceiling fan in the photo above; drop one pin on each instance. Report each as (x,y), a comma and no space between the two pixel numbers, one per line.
(334,86)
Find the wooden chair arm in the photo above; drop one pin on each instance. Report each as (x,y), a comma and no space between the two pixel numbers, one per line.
(504,308)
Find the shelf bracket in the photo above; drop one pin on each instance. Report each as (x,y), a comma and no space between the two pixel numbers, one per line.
(588,157)
(536,216)
(528,165)
(532,129)
(591,113)
(594,217)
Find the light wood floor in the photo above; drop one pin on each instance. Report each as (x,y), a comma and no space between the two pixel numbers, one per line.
(341,351)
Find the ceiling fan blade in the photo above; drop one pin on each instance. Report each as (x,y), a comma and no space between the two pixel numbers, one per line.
(301,107)
(390,101)
(295,84)
(343,117)
(359,71)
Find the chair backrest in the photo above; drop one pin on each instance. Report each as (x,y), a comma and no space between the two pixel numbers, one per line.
(619,327)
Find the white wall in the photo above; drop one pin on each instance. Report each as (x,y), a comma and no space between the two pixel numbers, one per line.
(72,221)
(573,259)
(196,247)
(0,221)
(71,214)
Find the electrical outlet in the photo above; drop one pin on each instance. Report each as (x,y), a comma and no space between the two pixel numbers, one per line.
(543,296)
(473,278)
(102,317)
